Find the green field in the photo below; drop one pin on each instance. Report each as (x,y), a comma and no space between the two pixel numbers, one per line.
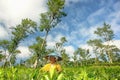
(78,73)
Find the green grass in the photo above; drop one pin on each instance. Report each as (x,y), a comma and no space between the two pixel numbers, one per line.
(78,73)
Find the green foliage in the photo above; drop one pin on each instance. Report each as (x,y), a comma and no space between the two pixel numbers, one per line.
(4,44)
(83,73)
(83,56)
(2,57)
(96,44)
(36,47)
(38,53)
(105,32)
(51,18)
(20,32)
(107,52)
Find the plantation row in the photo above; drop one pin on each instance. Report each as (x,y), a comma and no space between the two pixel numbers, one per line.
(81,73)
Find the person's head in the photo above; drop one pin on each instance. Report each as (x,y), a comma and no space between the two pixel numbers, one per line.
(53,57)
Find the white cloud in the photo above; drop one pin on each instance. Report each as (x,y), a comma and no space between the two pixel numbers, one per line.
(114,42)
(13,11)
(117,43)
(25,53)
(3,33)
(50,44)
(113,20)
(51,40)
(56,38)
(69,50)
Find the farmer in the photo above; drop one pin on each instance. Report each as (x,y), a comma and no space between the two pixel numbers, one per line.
(53,58)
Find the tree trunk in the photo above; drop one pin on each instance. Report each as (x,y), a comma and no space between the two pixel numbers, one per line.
(36,61)
(108,53)
(96,57)
(110,58)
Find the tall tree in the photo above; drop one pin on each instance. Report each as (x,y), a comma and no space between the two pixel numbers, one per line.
(51,18)
(37,52)
(20,32)
(106,34)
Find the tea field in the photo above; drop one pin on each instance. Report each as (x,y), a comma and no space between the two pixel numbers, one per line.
(78,73)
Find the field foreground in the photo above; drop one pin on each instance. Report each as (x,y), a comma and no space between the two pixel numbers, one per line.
(79,73)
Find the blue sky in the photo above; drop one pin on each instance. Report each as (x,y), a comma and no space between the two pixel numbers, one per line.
(83,17)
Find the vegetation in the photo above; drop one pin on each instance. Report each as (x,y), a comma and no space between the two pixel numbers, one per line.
(83,73)
(104,66)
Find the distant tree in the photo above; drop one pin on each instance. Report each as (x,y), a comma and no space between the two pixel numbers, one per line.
(83,55)
(96,44)
(106,34)
(75,58)
(113,51)
(59,47)
(65,58)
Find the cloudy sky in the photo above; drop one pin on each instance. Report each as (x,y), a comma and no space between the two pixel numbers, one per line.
(83,17)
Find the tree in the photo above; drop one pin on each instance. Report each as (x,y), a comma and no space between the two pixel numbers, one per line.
(37,52)
(97,48)
(20,32)
(2,57)
(59,47)
(51,18)
(83,55)
(75,58)
(113,52)
(4,47)
(106,34)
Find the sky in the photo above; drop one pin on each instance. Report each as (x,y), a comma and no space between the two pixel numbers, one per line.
(83,17)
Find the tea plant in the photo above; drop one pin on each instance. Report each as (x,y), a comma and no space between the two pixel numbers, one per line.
(81,73)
